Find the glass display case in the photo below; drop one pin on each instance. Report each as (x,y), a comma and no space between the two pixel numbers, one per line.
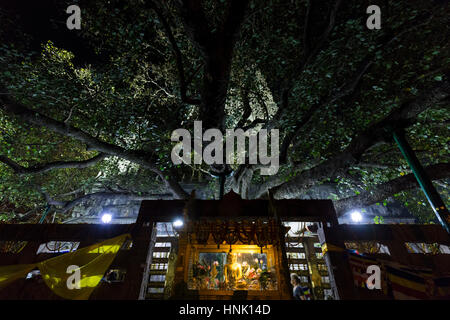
(245,267)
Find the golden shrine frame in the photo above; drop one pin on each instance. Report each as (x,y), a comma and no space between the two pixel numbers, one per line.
(246,267)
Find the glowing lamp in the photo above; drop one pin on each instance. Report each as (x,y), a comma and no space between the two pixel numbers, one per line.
(177,223)
(106,218)
(356,216)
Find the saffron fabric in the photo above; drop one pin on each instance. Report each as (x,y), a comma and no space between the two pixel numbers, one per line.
(73,275)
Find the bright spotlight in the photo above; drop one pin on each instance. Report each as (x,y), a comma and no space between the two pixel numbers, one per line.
(356,216)
(177,223)
(106,218)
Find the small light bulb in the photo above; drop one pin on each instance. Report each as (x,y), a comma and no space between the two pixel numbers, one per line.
(177,223)
(356,216)
(106,218)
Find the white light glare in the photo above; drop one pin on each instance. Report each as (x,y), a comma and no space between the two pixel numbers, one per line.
(106,218)
(177,223)
(356,216)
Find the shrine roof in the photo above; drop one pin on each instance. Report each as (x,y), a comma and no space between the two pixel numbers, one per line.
(232,206)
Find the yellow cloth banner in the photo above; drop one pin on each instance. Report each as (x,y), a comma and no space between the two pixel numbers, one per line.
(73,275)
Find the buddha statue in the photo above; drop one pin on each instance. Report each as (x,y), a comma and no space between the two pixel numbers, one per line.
(233,270)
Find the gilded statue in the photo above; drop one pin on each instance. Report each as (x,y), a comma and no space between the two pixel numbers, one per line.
(233,270)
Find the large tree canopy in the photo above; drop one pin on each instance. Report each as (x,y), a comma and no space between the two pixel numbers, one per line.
(89,113)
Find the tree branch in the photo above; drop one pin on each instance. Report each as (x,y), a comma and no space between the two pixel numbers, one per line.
(387,189)
(347,88)
(196,24)
(217,51)
(41,168)
(236,15)
(341,92)
(344,90)
(380,131)
(253,124)
(374,165)
(142,158)
(124,196)
(26,215)
(312,51)
(178,56)
(247,109)
(307,28)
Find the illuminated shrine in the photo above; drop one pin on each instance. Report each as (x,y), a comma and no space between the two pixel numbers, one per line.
(218,257)
(223,249)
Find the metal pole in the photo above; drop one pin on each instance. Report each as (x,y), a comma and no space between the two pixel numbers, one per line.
(45,214)
(425,183)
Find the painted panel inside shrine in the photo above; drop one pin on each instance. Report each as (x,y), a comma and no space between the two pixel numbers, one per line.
(245,268)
